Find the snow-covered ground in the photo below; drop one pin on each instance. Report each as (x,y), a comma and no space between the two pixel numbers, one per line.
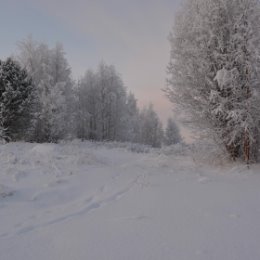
(83,201)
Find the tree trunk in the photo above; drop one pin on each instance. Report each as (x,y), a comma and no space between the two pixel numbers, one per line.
(246,147)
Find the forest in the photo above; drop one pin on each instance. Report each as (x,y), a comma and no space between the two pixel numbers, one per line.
(40,102)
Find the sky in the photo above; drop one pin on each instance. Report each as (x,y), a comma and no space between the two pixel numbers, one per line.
(130,34)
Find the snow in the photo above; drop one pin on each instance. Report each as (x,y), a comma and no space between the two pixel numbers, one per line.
(223,77)
(82,200)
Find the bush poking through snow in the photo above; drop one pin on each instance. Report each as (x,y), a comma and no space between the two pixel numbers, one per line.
(5,191)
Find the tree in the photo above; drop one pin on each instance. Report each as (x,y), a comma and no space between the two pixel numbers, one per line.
(61,74)
(87,107)
(51,76)
(131,120)
(151,132)
(214,70)
(16,92)
(112,98)
(172,133)
(101,105)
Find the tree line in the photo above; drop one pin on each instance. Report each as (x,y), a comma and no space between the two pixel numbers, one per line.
(40,102)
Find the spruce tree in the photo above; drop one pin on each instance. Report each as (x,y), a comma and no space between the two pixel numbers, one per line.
(16,91)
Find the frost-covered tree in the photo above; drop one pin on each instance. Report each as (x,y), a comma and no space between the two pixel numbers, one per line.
(87,107)
(51,77)
(61,74)
(214,70)
(101,98)
(16,92)
(151,132)
(131,120)
(112,94)
(172,133)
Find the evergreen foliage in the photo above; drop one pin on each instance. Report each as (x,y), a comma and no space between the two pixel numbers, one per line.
(16,92)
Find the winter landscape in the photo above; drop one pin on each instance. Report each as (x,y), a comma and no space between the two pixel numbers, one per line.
(113,151)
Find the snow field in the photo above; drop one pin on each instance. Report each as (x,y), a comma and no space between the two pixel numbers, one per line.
(82,200)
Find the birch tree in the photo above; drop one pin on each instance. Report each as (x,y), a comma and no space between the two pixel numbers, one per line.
(214,71)
(51,77)
(172,133)
(151,132)
(101,105)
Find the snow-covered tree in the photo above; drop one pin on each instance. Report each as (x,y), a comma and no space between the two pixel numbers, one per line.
(101,105)
(87,107)
(131,120)
(61,74)
(214,70)
(151,132)
(16,92)
(112,94)
(51,76)
(172,133)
